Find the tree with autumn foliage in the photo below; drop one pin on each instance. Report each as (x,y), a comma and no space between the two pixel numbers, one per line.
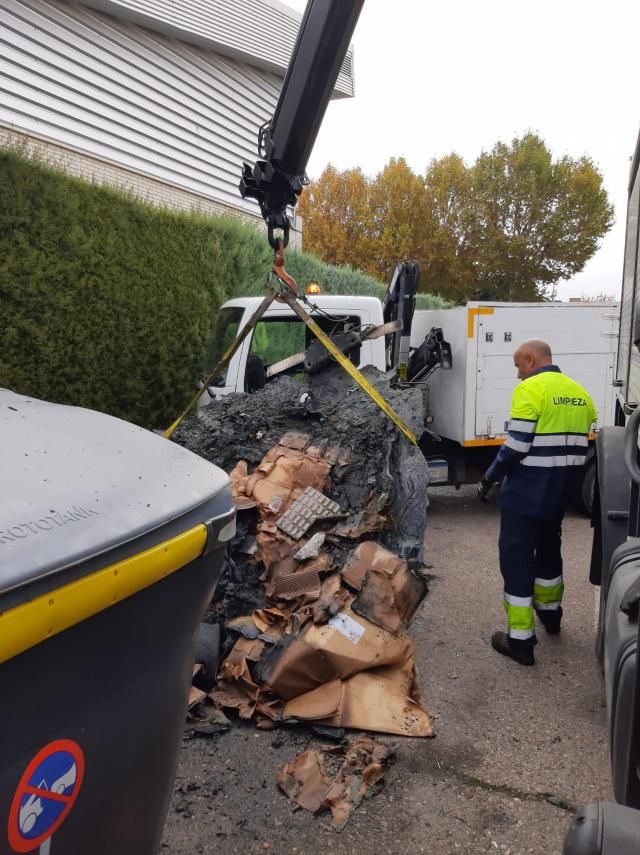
(448,265)
(335,213)
(508,227)
(396,203)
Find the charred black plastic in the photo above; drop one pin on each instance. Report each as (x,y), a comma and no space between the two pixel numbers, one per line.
(255,374)
(80,492)
(317,357)
(286,142)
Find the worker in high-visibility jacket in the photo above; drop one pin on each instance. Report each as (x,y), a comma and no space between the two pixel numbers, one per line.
(539,466)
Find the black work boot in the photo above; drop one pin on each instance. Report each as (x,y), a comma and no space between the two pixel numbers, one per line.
(550,619)
(521,655)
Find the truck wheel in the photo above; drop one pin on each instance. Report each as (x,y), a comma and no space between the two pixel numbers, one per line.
(599,639)
(584,499)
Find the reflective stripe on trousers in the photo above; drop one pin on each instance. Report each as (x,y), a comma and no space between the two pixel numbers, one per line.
(547,593)
(520,621)
(547,596)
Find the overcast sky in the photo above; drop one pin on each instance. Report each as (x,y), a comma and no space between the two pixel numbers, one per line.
(434,77)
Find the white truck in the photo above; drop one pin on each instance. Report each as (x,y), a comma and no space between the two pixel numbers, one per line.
(470,404)
(465,407)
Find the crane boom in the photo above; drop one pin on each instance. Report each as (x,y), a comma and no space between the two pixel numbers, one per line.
(286,141)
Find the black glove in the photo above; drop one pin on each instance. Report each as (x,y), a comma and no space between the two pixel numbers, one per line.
(484,488)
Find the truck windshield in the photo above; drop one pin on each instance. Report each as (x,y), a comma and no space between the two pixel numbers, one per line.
(225,330)
(274,340)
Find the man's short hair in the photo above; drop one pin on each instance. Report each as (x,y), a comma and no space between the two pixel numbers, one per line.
(540,348)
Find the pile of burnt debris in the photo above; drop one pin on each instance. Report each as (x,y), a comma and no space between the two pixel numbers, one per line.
(326,570)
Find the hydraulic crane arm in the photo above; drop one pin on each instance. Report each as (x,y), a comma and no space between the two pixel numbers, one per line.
(400,303)
(276,181)
(285,143)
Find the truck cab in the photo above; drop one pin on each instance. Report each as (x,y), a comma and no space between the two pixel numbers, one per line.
(280,334)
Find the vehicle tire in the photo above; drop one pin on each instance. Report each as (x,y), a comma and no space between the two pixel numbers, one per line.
(584,499)
(599,639)
(207,654)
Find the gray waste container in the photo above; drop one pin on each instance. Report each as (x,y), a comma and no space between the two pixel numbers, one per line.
(603,828)
(111,543)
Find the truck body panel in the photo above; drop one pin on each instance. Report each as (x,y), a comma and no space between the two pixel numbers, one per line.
(470,403)
(628,366)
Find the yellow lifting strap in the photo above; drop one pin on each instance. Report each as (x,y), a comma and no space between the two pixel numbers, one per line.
(349,367)
(226,358)
(287,294)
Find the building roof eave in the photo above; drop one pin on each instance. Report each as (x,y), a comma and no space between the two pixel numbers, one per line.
(266,43)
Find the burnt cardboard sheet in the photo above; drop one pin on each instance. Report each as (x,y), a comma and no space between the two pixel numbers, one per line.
(283,474)
(304,781)
(333,598)
(389,592)
(196,696)
(337,778)
(267,625)
(235,688)
(319,654)
(293,667)
(272,548)
(282,477)
(239,476)
(303,583)
(377,700)
(205,719)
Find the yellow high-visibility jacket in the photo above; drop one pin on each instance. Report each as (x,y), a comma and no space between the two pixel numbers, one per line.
(548,439)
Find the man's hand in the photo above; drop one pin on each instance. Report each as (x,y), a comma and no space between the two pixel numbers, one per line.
(484,488)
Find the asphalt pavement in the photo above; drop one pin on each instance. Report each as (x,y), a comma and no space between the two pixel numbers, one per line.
(517,749)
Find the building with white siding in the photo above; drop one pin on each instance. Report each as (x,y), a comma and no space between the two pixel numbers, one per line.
(164,97)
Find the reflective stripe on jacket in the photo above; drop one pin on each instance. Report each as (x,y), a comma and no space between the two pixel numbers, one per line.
(547,442)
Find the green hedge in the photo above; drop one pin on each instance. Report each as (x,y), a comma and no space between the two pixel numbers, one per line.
(307,268)
(108,302)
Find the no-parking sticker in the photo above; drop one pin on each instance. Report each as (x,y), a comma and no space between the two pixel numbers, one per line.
(45,795)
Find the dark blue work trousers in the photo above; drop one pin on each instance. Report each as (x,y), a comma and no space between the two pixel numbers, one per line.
(531,566)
